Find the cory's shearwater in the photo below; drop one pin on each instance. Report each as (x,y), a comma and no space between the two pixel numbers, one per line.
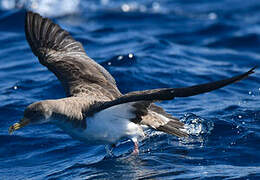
(94,110)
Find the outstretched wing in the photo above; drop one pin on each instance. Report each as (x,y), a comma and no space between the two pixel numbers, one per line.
(170,93)
(66,58)
(155,116)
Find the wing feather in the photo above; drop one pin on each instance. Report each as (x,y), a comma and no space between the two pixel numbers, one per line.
(66,58)
(170,93)
(149,114)
(81,76)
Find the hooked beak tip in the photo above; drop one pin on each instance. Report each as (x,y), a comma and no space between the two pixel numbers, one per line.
(14,127)
(18,125)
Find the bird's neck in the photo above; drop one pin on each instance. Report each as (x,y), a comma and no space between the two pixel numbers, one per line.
(68,108)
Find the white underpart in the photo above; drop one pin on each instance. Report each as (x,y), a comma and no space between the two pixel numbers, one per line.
(107,126)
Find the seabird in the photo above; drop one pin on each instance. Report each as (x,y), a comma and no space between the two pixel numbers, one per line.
(95,111)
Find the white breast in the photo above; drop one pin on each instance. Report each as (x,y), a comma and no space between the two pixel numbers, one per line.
(108,126)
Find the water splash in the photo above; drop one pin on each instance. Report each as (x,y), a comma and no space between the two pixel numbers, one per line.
(197,126)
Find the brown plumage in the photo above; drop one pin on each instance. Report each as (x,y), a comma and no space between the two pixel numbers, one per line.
(90,89)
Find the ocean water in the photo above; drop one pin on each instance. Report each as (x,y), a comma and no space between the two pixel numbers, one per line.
(144,44)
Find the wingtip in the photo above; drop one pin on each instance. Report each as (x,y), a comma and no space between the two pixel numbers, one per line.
(31,13)
(28,13)
(252,70)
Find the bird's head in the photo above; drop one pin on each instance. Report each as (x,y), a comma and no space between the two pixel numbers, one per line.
(35,113)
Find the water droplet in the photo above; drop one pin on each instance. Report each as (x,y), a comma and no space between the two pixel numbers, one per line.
(197,126)
(250,92)
(243,122)
(239,116)
(125,7)
(130,55)
(15,87)
(120,57)
(212,16)
(109,63)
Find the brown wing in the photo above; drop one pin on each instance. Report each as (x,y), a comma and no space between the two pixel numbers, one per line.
(66,58)
(170,93)
(154,116)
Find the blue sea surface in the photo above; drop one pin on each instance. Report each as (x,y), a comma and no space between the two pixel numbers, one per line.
(144,44)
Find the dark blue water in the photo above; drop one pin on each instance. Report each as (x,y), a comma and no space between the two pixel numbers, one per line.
(143,44)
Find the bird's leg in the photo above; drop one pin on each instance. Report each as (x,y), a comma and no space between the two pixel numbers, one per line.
(136,150)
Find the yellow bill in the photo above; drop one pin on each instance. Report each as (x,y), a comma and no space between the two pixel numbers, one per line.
(23,122)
